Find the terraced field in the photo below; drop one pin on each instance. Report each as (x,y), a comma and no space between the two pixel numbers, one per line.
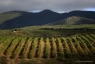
(78,46)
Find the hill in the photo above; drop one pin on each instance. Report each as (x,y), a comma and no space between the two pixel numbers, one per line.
(73,20)
(18,19)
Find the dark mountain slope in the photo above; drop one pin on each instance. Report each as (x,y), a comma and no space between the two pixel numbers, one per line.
(29,19)
(18,19)
(85,14)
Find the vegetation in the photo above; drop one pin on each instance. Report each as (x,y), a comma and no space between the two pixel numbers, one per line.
(75,53)
(17,50)
(5,44)
(54,48)
(40,48)
(47,48)
(79,45)
(88,43)
(49,31)
(67,50)
(80,50)
(11,47)
(32,50)
(60,48)
(88,52)
(23,56)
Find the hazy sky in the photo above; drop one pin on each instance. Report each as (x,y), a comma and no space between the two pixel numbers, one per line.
(54,5)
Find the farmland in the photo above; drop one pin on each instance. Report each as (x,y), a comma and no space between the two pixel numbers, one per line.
(77,46)
(47,44)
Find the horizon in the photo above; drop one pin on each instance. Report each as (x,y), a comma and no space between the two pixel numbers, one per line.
(88,9)
(54,5)
(37,11)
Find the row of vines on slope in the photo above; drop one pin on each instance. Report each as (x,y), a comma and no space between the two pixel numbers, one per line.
(81,45)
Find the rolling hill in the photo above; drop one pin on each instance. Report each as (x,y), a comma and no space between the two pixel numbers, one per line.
(18,19)
(73,20)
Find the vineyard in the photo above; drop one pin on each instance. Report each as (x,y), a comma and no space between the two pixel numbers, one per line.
(78,46)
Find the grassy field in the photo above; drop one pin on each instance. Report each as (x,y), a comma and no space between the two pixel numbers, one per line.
(49,31)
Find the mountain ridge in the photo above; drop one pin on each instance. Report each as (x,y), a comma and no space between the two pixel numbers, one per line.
(18,19)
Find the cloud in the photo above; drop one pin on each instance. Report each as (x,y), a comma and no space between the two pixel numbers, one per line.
(54,5)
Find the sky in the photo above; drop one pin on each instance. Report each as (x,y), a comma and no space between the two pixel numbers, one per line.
(59,6)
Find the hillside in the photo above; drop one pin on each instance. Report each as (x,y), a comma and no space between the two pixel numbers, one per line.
(73,20)
(9,15)
(18,19)
(11,20)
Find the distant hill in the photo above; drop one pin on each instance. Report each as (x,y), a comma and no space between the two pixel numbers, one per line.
(73,20)
(18,19)
(86,14)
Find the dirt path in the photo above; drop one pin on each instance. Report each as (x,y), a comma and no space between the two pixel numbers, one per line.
(35,50)
(1,44)
(42,49)
(57,48)
(28,49)
(63,47)
(49,49)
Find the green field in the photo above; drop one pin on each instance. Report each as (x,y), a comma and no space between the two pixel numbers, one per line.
(49,31)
